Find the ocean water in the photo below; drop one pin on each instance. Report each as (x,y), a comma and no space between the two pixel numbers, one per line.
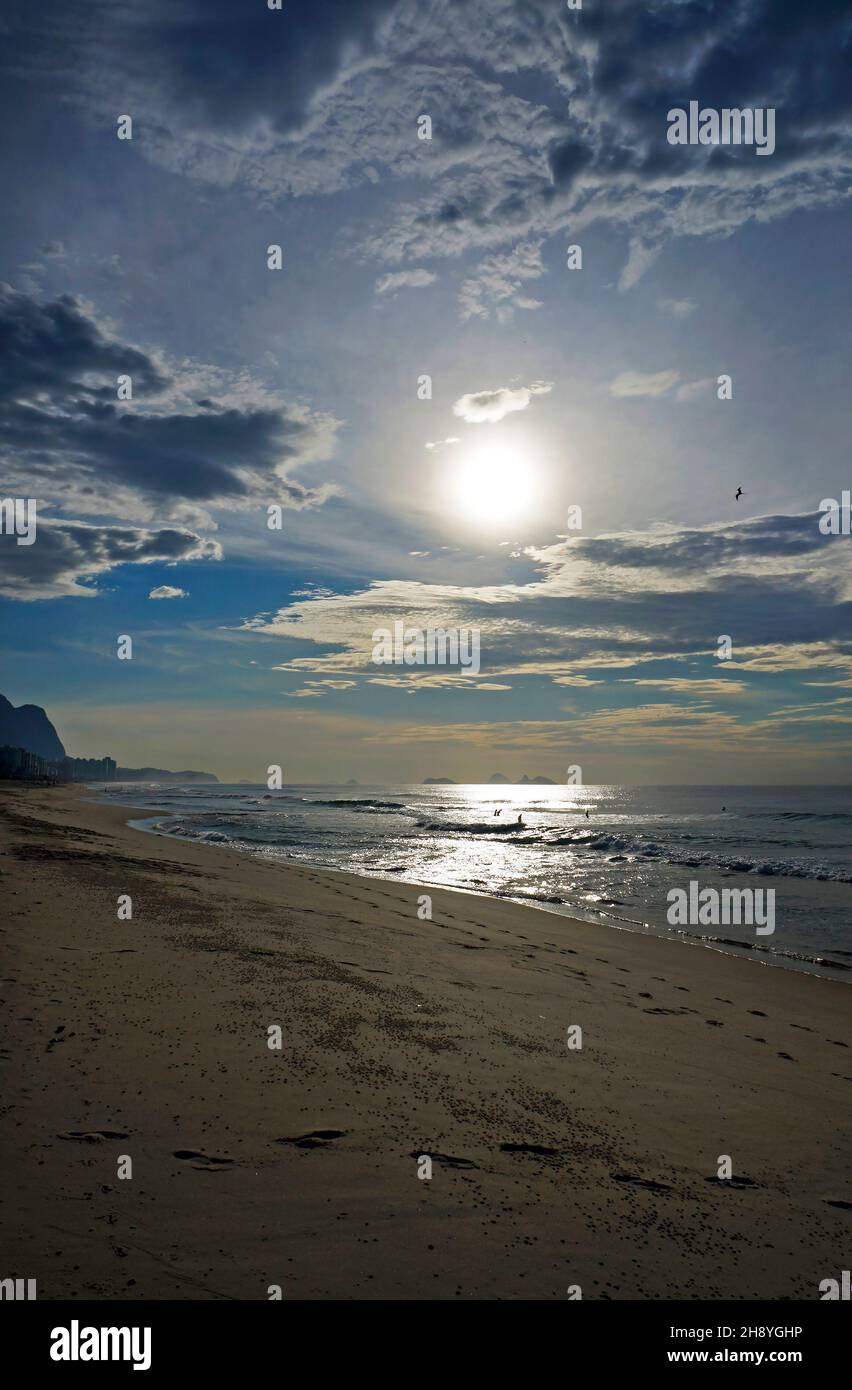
(614,866)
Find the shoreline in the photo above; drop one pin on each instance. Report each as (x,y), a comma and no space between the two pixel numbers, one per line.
(820,967)
(400,1037)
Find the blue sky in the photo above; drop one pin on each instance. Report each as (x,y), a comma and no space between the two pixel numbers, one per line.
(402,257)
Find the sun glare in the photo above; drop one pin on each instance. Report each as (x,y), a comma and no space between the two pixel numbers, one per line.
(495,484)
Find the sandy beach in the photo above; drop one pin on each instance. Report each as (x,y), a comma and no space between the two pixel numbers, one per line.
(552,1167)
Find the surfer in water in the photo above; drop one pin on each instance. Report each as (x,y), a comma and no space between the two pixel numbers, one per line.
(520,820)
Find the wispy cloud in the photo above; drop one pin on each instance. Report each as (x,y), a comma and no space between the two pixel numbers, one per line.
(404,279)
(677,308)
(644,383)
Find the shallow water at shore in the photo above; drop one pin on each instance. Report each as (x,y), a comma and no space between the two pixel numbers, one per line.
(615,865)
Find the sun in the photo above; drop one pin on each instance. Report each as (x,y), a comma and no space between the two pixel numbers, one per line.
(494,484)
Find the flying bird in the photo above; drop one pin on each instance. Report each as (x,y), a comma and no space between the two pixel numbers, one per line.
(738,494)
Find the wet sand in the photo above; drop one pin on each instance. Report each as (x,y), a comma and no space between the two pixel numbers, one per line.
(551,1166)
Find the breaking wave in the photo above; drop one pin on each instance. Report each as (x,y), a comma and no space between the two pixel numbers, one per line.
(628,847)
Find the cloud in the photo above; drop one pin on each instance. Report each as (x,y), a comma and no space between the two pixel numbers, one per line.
(405,279)
(171,452)
(694,390)
(489,407)
(168,591)
(691,685)
(68,556)
(677,308)
(441,444)
(54,351)
(637,730)
(641,255)
(647,600)
(421,680)
(499,283)
(644,383)
(583,145)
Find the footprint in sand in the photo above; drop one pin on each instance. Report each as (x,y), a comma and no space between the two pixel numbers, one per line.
(641,1182)
(205,1163)
(446,1160)
(316,1139)
(91,1136)
(538,1150)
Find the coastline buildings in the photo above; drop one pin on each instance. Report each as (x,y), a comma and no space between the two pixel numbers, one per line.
(90,769)
(22,766)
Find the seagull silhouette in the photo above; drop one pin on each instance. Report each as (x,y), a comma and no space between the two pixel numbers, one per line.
(738,494)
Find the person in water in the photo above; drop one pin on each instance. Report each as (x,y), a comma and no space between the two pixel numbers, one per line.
(520,820)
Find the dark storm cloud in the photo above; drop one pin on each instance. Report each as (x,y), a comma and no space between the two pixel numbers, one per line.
(546,119)
(780,611)
(60,420)
(226,64)
(65,554)
(217,66)
(757,538)
(47,349)
(794,56)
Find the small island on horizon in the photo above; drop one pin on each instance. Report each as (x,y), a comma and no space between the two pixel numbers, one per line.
(497,779)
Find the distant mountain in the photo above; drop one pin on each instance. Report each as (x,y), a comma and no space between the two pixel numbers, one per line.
(160,774)
(29,727)
(439,782)
(498,780)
